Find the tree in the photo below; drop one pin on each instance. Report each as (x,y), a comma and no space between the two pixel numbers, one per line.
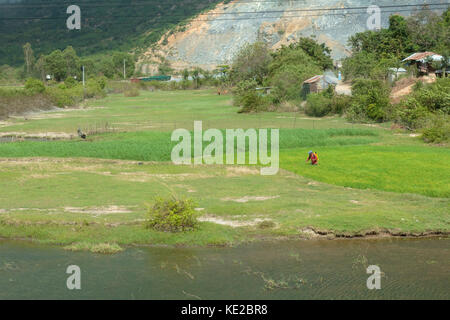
(428,30)
(29,58)
(196,77)
(61,64)
(55,64)
(118,60)
(368,65)
(400,36)
(319,52)
(251,62)
(289,68)
(40,67)
(185,74)
(72,62)
(106,67)
(385,43)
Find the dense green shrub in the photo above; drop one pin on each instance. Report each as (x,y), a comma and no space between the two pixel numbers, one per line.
(241,89)
(102,82)
(172,215)
(435,96)
(34,86)
(65,97)
(70,82)
(437,129)
(252,101)
(317,105)
(340,103)
(94,89)
(412,114)
(416,109)
(370,101)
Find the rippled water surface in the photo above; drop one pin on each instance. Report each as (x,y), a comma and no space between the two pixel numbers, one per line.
(413,269)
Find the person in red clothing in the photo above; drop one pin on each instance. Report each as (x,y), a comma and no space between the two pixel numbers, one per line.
(313,156)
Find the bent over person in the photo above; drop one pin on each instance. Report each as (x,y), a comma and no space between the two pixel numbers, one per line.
(314,157)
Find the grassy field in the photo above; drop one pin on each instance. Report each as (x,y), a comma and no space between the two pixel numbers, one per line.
(85,193)
(405,169)
(164,111)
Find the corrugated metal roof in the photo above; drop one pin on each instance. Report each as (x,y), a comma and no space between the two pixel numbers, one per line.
(313,79)
(418,56)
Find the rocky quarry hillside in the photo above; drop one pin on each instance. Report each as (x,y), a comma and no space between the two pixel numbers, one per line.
(214,37)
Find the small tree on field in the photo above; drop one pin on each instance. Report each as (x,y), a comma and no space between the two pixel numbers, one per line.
(252,62)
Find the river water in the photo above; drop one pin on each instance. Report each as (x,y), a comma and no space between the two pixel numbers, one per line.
(322,269)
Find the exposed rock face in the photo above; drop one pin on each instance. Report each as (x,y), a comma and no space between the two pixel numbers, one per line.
(215,38)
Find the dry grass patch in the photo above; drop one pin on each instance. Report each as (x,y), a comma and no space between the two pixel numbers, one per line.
(250,198)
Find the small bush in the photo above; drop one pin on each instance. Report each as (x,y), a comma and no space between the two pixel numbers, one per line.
(246,97)
(62,97)
(172,215)
(70,82)
(102,82)
(317,105)
(94,89)
(253,102)
(34,86)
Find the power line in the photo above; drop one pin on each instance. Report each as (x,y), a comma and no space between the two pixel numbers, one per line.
(344,12)
(133,4)
(138,3)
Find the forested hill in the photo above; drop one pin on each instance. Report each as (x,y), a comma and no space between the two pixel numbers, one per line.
(106,24)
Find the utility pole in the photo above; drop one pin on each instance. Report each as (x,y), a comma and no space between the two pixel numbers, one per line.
(83,76)
(124,70)
(84,85)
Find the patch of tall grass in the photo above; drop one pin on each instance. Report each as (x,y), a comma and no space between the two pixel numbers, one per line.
(15,101)
(157,146)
